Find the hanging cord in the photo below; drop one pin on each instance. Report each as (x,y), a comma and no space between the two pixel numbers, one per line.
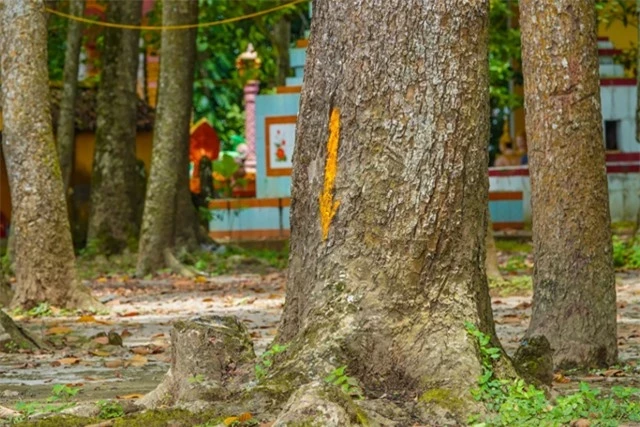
(173,27)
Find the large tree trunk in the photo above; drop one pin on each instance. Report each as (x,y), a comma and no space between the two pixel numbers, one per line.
(574,299)
(113,220)
(66,122)
(166,198)
(385,286)
(44,262)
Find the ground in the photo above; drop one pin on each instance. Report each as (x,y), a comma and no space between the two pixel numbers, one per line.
(87,355)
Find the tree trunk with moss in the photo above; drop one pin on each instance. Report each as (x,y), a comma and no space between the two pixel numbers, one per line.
(387,261)
(574,299)
(168,201)
(44,261)
(65,135)
(113,222)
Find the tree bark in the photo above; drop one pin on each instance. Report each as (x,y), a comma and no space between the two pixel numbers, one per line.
(168,201)
(491,261)
(113,220)
(388,284)
(281,36)
(44,261)
(574,299)
(66,123)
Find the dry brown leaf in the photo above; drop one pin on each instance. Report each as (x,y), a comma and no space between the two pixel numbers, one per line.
(613,373)
(245,417)
(99,353)
(200,279)
(101,340)
(130,314)
(113,363)
(67,361)
(87,318)
(559,378)
(125,333)
(130,396)
(59,330)
(157,335)
(101,280)
(137,360)
(207,300)
(141,350)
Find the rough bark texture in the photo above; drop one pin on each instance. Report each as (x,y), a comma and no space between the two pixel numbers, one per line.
(12,334)
(168,203)
(113,220)
(65,135)
(402,268)
(574,300)
(43,256)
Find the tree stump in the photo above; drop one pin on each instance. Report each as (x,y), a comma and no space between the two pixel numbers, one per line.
(210,358)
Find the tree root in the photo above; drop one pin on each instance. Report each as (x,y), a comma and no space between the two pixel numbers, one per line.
(177,267)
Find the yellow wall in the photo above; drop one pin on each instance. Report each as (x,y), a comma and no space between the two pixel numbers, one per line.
(85,143)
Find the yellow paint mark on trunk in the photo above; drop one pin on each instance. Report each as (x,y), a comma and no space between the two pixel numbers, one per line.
(329,207)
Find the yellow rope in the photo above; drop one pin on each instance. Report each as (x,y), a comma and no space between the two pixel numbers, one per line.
(173,27)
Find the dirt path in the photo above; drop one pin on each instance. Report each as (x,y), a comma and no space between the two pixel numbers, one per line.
(142,311)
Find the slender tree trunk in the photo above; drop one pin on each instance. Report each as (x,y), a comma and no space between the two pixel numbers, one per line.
(281,36)
(168,180)
(66,123)
(113,221)
(389,199)
(638,78)
(44,262)
(574,299)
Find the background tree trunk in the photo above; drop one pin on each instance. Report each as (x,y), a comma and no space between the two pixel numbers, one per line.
(402,267)
(113,220)
(574,300)
(44,262)
(66,123)
(281,37)
(168,180)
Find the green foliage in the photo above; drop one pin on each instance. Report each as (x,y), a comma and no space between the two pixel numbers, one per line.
(513,402)
(626,254)
(195,379)
(515,264)
(218,88)
(266,360)
(57,402)
(348,385)
(110,410)
(237,259)
(610,11)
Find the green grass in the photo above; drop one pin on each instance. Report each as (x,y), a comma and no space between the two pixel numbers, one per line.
(513,246)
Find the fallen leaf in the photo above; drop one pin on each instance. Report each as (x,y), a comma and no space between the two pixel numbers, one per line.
(200,279)
(102,280)
(137,361)
(99,353)
(245,417)
(125,333)
(230,420)
(130,396)
(207,300)
(101,340)
(559,378)
(113,363)
(613,373)
(87,318)
(157,335)
(582,422)
(59,330)
(523,305)
(66,361)
(130,314)
(141,350)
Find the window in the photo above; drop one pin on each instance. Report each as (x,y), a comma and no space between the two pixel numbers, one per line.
(611,131)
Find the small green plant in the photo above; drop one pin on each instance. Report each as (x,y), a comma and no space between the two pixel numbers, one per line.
(626,254)
(266,360)
(513,402)
(515,263)
(195,379)
(63,392)
(110,410)
(349,385)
